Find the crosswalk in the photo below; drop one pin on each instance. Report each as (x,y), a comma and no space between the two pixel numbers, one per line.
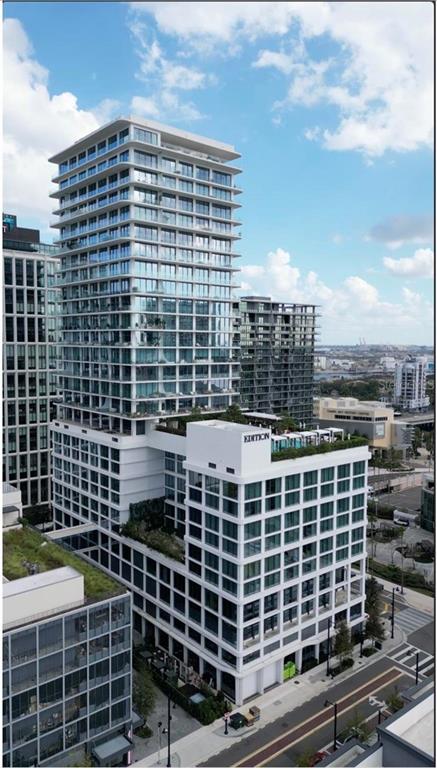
(406,655)
(410,619)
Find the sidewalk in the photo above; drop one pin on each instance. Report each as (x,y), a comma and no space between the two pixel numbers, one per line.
(202,744)
(412,598)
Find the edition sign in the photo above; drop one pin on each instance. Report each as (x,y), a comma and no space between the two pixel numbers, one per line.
(256,438)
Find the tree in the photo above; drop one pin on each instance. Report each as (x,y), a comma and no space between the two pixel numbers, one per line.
(342,641)
(286,424)
(358,727)
(234,413)
(143,692)
(374,628)
(305,759)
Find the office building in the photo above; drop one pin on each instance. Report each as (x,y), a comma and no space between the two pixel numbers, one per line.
(372,419)
(12,508)
(410,384)
(427,507)
(66,656)
(277,356)
(29,360)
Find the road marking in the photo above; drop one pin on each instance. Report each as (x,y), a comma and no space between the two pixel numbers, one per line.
(329,718)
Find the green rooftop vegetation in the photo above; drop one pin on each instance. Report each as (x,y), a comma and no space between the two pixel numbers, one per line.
(147,524)
(26,550)
(162,541)
(310,450)
(178,424)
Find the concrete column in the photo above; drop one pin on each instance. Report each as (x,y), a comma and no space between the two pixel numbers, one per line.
(298,657)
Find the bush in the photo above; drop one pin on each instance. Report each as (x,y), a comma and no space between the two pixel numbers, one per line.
(145,732)
(369,651)
(345,664)
(309,450)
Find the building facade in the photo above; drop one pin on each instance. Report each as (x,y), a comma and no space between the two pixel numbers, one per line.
(272,550)
(410,384)
(66,663)
(277,356)
(29,360)
(427,507)
(373,419)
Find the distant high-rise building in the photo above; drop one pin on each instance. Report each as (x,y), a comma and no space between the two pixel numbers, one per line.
(29,359)
(410,384)
(277,356)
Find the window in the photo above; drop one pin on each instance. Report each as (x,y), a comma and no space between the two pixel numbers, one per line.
(273,486)
(253,490)
(343,470)
(359,467)
(310,478)
(292,482)
(327,474)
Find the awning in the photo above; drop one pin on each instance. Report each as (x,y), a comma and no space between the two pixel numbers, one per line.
(108,750)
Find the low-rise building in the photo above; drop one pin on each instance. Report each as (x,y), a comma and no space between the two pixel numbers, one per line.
(372,419)
(66,655)
(405,739)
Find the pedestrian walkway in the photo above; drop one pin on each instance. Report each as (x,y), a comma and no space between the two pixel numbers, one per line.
(406,655)
(278,702)
(411,619)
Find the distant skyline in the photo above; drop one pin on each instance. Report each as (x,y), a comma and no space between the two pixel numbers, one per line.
(330,105)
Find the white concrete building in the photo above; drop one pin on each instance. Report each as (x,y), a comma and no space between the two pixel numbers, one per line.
(410,384)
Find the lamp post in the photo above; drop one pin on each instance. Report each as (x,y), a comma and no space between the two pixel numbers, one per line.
(410,653)
(328,651)
(166,675)
(395,589)
(333,704)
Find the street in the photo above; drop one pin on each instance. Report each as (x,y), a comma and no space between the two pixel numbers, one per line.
(310,727)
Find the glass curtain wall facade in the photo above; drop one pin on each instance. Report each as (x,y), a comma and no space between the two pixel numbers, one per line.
(145,219)
(29,362)
(277,356)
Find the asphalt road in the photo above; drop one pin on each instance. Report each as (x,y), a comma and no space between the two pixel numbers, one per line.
(408,499)
(423,638)
(310,727)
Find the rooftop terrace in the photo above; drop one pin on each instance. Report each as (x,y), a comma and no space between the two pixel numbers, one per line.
(27,552)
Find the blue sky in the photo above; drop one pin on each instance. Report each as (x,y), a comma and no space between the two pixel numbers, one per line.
(330,105)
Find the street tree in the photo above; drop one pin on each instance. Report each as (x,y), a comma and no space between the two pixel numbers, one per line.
(373,607)
(342,641)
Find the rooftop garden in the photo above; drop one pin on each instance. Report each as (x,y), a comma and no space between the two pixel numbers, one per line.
(26,551)
(311,450)
(148,525)
(177,425)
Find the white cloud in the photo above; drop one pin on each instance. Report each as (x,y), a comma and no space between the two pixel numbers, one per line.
(337,239)
(166,78)
(380,81)
(37,124)
(419,265)
(349,310)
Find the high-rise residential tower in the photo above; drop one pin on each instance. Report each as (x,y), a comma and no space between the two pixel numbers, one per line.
(29,359)
(145,215)
(277,356)
(410,384)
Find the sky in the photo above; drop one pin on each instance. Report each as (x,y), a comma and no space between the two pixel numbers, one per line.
(329,104)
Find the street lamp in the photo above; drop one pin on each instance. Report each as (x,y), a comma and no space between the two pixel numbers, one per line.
(333,704)
(410,653)
(166,675)
(328,650)
(361,644)
(395,589)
